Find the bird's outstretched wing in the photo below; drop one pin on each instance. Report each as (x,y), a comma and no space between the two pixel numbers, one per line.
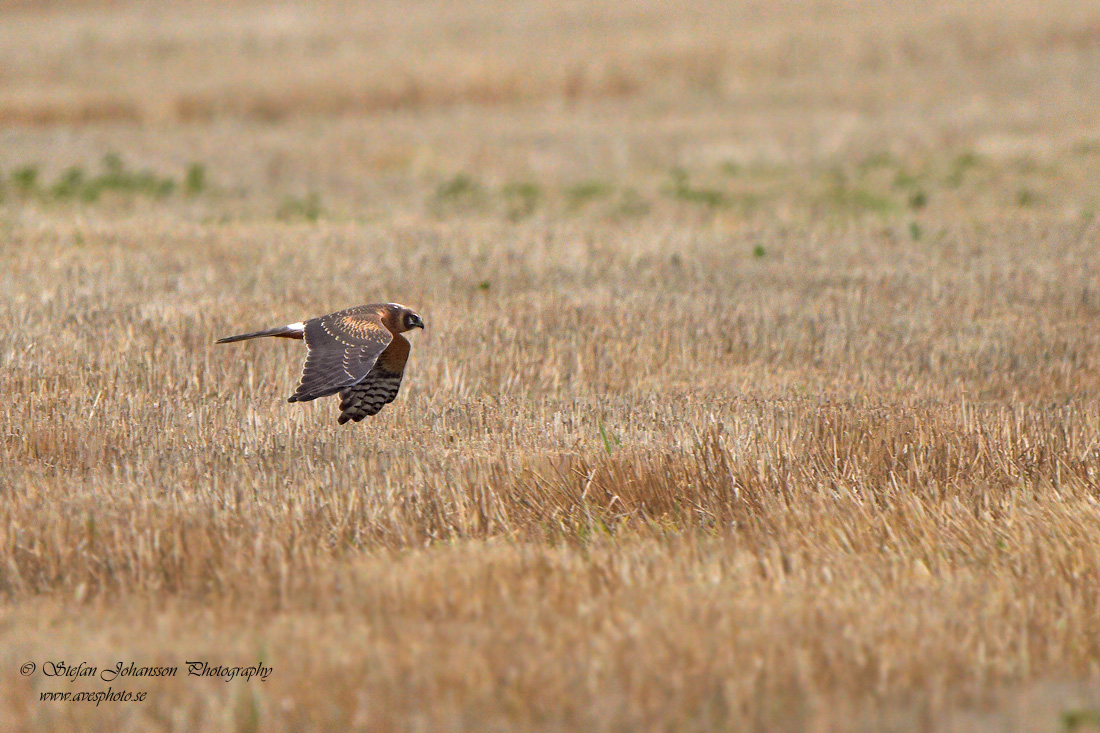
(343,348)
(380,386)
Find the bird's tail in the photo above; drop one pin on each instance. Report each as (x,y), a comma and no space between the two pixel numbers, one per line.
(292,331)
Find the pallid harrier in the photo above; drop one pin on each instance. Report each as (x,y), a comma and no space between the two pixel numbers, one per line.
(358,352)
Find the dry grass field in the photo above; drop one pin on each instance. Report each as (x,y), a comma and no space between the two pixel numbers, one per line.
(760,388)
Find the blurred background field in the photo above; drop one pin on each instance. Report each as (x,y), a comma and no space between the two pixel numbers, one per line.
(759,389)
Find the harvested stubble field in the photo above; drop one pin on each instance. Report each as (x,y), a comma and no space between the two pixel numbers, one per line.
(759,389)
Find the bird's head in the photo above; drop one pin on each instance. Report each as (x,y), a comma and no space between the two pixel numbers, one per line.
(405,319)
(412,320)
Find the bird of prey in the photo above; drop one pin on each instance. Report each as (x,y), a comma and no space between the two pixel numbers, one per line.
(358,352)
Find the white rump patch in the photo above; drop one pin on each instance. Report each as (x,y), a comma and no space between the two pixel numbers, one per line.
(298,327)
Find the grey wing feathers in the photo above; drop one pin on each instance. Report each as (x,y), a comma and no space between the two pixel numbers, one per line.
(369,396)
(380,386)
(343,348)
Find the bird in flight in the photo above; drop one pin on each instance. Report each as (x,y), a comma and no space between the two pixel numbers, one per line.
(358,352)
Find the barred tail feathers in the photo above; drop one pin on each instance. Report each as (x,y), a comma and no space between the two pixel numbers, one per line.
(290,331)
